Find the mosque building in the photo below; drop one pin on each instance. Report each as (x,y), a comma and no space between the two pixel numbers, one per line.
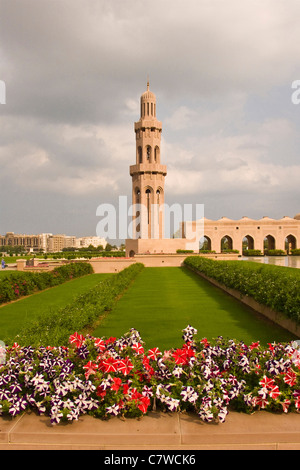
(149,216)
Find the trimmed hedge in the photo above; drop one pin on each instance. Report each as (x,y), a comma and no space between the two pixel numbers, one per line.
(276,253)
(276,287)
(252,253)
(54,327)
(19,284)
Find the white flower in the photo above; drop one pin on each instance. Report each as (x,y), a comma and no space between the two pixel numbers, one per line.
(113,410)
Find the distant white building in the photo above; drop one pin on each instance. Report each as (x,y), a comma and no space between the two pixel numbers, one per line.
(85,242)
(47,242)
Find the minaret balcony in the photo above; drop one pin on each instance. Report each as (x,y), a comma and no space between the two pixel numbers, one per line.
(148,168)
(147,124)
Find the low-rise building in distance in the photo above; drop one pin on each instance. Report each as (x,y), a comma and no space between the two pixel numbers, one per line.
(49,243)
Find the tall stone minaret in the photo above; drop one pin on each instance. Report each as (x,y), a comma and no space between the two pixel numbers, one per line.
(148,175)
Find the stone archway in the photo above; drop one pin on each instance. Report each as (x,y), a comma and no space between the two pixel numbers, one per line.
(226,243)
(290,243)
(269,243)
(204,243)
(248,243)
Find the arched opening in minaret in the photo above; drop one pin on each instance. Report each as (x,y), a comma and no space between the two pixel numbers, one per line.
(148,195)
(156,155)
(136,212)
(148,153)
(140,155)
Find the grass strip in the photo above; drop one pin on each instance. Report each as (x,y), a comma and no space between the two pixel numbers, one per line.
(17,285)
(277,287)
(54,328)
(163,301)
(15,315)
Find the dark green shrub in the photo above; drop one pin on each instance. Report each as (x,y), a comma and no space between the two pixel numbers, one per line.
(54,327)
(19,284)
(276,253)
(277,287)
(252,253)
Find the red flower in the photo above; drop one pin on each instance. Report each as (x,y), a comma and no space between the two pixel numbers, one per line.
(260,401)
(110,340)
(76,339)
(100,392)
(144,402)
(146,363)
(125,366)
(90,368)
(266,382)
(153,353)
(297,403)
(110,364)
(285,405)
(290,377)
(138,348)
(274,392)
(125,388)
(180,356)
(117,384)
(254,345)
(99,343)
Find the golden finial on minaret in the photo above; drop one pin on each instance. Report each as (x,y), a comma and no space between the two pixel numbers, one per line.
(148,84)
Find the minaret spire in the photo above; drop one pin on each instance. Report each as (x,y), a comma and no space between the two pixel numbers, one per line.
(148,174)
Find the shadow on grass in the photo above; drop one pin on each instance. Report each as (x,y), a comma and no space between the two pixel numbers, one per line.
(163,301)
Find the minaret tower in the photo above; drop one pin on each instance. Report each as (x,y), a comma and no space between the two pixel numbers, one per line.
(148,175)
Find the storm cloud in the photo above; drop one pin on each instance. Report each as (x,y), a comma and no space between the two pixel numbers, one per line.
(74,71)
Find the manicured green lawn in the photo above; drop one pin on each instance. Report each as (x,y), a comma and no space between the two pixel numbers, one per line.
(163,301)
(13,316)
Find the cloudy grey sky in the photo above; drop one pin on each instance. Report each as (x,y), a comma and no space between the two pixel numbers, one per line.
(74,70)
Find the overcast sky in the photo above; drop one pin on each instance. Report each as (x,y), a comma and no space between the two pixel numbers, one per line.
(222,72)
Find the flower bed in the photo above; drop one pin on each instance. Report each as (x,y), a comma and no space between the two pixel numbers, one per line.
(107,377)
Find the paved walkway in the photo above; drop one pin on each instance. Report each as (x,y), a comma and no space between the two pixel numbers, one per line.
(157,431)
